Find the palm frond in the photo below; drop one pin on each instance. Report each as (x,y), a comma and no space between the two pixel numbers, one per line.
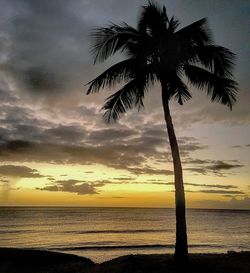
(113,75)
(108,40)
(219,60)
(173,24)
(196,33)
(182,93)
(117,104)
(177,88)
(220,89)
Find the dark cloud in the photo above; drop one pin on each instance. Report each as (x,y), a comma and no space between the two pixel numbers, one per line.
(189,144)
(217,167)
(232,195)
(208,114)
(51,178)
(65,134)
(72,186)
(156,183)
(149,171)
(123,178)
(150,141)
(221,166)
(160,182)
(110,135)
(38,79)
(196,161)
(127,149)
(4,180)
(19,171)
(142,183)
(212,186)
(83,187)
(197,170)
(46,43)
(61,154)
(222,192)
(20,121)
(16,146)
(6,95)
(27,131)
(49,188)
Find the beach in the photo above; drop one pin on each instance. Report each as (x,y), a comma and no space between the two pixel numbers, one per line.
(14,260)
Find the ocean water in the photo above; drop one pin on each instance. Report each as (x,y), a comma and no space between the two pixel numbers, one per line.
(104,233)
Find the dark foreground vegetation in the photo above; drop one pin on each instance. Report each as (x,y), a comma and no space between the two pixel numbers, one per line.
(38,261)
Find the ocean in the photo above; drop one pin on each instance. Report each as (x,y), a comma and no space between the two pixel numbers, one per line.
(104,233)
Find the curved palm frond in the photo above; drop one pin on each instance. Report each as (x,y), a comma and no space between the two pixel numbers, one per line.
(219,60)
(194,34)
(221,89)
(113,75)
(179,90)
(172,25)
(130,95)
(108,40)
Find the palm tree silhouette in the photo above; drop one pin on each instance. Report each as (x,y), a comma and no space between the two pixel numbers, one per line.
(157,50)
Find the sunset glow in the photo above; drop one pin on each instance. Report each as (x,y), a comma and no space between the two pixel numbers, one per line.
(55,148)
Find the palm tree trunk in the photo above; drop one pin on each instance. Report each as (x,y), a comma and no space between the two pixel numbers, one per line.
(181,246)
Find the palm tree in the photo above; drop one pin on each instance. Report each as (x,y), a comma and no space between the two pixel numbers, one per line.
(156,50)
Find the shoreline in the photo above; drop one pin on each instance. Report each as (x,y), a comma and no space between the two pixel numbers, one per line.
(23,260)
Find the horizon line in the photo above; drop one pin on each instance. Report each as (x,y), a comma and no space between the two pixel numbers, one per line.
(116,207)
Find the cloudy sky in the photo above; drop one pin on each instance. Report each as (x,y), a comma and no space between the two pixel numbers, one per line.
(55,148)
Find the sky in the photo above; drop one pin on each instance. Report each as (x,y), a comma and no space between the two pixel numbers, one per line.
(55,148)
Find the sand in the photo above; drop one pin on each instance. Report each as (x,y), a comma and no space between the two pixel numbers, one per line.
(38,261)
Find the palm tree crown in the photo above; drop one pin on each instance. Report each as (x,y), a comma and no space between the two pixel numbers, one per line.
(158,51)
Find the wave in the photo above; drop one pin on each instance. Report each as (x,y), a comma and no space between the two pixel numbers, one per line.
(107,247)
(118,231)
(15,231)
